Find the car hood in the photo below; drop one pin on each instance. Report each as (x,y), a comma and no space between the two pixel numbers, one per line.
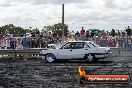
(49,51)
(106,49)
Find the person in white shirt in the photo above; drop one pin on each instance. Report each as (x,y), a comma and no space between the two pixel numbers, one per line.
(19,43)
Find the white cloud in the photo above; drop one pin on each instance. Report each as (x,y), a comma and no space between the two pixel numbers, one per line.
(88,13)
(57,1)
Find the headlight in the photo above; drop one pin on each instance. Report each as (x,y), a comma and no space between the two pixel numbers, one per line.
(106,51)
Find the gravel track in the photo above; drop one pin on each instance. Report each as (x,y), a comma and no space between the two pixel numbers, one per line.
(36,73)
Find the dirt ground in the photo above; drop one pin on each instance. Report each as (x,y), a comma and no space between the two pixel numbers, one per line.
(36,73)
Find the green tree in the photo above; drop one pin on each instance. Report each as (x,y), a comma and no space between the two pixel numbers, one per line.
(58,29)
(48,28)
(102,30)
(10,28)
(36,30)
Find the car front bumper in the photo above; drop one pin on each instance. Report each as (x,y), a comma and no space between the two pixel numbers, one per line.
(102,55)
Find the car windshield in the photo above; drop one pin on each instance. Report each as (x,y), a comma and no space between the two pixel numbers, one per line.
(60,46)
(93,44)
(54,46)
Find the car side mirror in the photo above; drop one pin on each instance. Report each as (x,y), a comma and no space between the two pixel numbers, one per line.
(86,47)
(62,48)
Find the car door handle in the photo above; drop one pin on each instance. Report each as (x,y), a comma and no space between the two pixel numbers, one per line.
(86,49)
(70,50)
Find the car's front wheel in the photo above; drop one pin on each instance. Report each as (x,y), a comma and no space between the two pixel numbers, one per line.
(90,58)
(50,58)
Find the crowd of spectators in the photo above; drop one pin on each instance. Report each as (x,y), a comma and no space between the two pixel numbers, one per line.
(28,40)
(105,39)
(41,40)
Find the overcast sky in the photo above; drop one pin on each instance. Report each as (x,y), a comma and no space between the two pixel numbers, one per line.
(101,14)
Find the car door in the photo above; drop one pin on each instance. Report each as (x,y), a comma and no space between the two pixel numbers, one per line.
(79,50)
(65,52)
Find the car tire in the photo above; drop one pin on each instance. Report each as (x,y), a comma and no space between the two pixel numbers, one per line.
(90,58)
(50,58)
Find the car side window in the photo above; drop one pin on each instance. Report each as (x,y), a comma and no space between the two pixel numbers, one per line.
(67,46)
(75,45)
(78,45)
(92,44)
(86,45)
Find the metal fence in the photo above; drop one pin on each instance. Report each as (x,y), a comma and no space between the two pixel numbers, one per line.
(35,52)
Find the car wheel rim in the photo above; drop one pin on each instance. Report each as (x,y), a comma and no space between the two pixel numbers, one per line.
(90,57)
(49,58)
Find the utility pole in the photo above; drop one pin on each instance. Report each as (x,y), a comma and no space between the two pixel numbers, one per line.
(63,22)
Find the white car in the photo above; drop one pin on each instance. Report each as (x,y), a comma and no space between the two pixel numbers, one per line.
(51,46)
(87,50)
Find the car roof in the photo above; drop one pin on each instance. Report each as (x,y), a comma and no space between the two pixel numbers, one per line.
(80,41)
(51,44)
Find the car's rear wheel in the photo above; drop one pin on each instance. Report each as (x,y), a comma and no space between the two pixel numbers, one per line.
(50,58)
(90,58)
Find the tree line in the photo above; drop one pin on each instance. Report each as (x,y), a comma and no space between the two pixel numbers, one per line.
(56,29)
(17,30)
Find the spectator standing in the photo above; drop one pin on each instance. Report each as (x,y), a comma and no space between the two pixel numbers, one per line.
(69,36)
(87,34)
(25,42)
(77,35)
(42,43)
(104,40)
(32,43)
(94,38)
(7,42)
(110,41)
(36,44)
(82,32)
(19,43)
(3,43)
(128,30)
(0,42)
(73,34)
(122,40)
(129,41)
(13,43)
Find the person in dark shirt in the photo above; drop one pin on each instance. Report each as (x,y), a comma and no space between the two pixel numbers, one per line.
(87,34)
(13,43)
(25,42)
(77,34)
(128,30)
(41,35)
